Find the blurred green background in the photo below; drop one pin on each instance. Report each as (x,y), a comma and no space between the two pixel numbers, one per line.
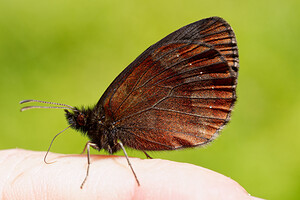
(70,51)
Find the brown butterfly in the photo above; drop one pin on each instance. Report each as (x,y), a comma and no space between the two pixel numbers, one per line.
(179,93)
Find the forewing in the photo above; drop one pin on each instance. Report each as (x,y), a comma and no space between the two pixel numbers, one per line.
(179,92)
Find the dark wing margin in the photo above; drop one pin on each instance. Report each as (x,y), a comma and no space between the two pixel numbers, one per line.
(179,92)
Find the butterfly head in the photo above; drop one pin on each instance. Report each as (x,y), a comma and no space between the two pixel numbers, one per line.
(77,119)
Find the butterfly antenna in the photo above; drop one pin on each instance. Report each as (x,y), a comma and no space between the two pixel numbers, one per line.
(51,145)
(59,105)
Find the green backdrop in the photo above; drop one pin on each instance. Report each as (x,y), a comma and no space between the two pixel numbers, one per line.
(70,51)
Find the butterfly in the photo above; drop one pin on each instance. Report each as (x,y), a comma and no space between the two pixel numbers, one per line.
(178,93)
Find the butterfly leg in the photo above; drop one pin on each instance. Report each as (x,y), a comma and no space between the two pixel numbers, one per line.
(121,145)
(87,147)
(147,155)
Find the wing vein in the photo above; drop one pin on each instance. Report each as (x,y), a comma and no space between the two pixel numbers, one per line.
(195,69)
(154,128)
(184,113)
(140,78)
(178,85)
(173,65)
(146,139)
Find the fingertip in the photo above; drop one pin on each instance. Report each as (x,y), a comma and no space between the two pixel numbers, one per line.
(161,179)
(110,177)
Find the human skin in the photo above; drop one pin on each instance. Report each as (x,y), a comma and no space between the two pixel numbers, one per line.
(24,175)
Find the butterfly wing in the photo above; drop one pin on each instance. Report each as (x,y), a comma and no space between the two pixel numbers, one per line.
(179,92)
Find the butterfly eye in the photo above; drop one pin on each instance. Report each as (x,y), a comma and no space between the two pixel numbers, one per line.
(80,119)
